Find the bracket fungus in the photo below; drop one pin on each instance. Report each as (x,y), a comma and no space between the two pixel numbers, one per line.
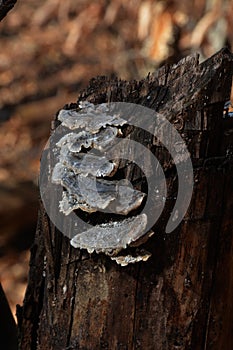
(112,237)
(81,169)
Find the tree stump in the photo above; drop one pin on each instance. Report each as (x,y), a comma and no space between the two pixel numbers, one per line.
(181,298)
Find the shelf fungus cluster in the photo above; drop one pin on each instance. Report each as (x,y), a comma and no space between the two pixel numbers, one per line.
(81,170)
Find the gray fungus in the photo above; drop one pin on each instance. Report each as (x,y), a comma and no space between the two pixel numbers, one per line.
(80,170)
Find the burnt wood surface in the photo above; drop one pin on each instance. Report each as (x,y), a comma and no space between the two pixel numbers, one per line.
(181,298)
(8,330)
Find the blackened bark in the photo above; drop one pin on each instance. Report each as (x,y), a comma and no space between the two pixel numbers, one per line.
(182,297)
(8,330)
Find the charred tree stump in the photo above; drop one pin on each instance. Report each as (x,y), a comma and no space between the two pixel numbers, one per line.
(181,298)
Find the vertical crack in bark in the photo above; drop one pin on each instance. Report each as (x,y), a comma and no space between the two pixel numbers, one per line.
(57,255)
(134,340)
(216,255)
(50,229)
(73,302)
(36,322)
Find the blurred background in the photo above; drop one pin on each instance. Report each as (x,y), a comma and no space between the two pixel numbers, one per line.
(49,49)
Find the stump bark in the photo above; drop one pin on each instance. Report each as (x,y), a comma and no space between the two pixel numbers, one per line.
(181,298)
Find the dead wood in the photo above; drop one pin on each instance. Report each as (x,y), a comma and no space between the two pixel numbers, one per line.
(182,297)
